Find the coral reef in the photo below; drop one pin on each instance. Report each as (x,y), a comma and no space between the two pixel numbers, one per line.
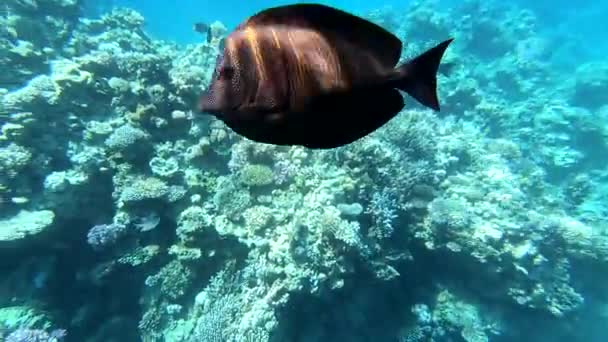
(131,218)
(25,224)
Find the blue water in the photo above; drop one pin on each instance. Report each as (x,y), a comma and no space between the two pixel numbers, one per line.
(582,25)
(126,215)
(171,21)
(580,28)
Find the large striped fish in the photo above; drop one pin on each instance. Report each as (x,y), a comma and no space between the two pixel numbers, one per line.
(314,76)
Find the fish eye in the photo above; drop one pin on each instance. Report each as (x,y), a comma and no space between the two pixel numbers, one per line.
(226,73)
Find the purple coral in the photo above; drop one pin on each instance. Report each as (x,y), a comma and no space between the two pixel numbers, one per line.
(284,169)
(36,335)
(103,235)
(238,157)
(383,208)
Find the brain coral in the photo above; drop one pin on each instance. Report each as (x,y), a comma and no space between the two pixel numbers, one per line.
(256,175)
(124,137)
(145,189)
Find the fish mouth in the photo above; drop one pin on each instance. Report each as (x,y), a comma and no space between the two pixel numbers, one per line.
(211,110)
(201,107)
(208,106)
(206,103)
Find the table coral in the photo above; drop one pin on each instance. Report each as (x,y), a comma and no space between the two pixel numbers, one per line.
(25,224)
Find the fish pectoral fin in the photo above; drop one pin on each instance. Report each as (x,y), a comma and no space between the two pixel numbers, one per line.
(267,106)
(267,101)
(268,96)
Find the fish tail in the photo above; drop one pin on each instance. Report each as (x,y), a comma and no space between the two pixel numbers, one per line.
(418,77)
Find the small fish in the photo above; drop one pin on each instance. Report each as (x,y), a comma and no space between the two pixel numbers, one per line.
(207,30)
(203,29)
(315,76)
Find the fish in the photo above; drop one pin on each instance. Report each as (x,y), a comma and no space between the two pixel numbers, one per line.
(315,76)
(208,31)
(204,29)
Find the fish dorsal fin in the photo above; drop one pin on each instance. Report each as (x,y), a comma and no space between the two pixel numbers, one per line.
(357,31)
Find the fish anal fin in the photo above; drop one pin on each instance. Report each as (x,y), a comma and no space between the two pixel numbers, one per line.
(266,102)
(344,117)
